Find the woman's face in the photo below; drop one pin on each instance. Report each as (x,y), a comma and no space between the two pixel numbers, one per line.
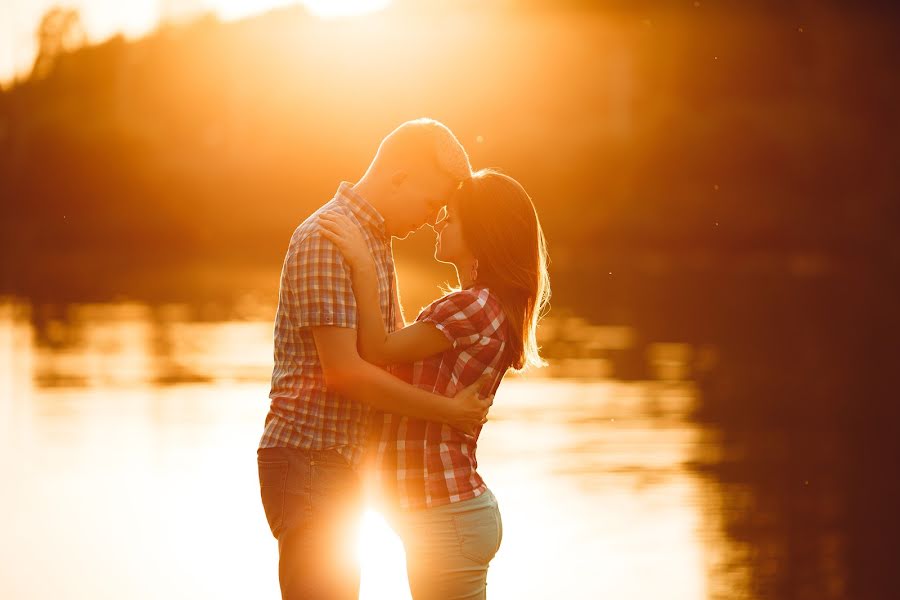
(450,246)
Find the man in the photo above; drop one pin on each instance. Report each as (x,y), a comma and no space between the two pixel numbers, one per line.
(322,391)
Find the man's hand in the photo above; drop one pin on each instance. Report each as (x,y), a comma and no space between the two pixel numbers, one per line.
(470,408)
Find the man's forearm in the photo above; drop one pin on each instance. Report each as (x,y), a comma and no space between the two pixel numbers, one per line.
(367,383)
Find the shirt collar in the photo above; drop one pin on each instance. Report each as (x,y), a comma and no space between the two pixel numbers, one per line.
(363,211)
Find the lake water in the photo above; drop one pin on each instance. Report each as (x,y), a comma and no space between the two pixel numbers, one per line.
(127,455)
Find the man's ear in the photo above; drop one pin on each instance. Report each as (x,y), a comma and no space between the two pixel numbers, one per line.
(398,178)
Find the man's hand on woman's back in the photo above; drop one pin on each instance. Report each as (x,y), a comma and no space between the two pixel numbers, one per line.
(472,408)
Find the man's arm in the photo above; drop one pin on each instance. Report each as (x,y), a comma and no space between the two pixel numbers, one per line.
(348,374)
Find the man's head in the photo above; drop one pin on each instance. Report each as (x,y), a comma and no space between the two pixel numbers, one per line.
(416,169)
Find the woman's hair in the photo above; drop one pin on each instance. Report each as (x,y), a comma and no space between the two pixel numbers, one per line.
(501,228)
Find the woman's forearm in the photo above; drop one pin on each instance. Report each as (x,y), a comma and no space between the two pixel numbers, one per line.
(371,331)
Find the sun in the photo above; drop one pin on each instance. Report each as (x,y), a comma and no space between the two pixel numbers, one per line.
(382,560)
(344,8)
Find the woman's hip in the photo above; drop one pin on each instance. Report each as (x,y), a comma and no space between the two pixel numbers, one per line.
(470,530)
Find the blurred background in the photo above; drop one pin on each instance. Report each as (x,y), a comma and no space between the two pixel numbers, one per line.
(719,184)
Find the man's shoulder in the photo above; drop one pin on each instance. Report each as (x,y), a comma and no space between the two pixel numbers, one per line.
(310,226)
(308,230)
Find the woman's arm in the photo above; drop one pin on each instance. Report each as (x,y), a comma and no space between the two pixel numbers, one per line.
(375,344)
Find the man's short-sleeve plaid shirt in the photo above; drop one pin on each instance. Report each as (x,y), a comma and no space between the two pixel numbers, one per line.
(316,291)
(420,464)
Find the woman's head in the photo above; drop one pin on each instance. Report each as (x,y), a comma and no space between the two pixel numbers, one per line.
(492,220)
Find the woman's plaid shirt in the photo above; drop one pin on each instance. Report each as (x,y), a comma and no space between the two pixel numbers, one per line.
(420,464)
(316,290)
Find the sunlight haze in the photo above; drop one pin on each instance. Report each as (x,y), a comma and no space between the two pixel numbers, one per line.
(19,20)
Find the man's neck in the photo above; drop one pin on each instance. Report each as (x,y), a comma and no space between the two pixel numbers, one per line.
(369,191)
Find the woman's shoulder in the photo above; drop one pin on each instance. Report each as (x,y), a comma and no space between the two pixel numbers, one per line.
(477,303)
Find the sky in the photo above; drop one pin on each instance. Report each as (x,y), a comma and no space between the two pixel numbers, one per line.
(102,19)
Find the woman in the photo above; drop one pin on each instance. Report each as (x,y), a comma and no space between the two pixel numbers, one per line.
(426,472)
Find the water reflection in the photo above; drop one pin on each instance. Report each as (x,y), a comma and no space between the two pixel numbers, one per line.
(93,345)
(129,434)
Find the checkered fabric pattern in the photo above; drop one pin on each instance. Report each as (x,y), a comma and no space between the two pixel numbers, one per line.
(420,464)
(316,290)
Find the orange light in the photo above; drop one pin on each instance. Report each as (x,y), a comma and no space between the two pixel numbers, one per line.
(344,8)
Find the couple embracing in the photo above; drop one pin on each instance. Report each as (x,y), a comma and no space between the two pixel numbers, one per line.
(356,391)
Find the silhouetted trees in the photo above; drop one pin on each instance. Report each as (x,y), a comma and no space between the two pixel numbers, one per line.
(60,31)
(645,136)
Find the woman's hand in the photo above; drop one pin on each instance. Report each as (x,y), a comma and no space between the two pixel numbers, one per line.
(345,234)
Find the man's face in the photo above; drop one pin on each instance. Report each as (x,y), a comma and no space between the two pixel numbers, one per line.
(421,198)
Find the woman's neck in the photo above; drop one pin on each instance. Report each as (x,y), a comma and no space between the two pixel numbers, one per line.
(464,276)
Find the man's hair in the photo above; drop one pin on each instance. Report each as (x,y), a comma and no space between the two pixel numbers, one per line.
(424,139)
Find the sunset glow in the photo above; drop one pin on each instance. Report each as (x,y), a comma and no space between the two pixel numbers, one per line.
(19,20)
(714,183)
(382,560)
(344,8)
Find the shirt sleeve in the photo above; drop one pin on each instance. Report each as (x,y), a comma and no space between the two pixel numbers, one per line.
(319,278)
(458,317)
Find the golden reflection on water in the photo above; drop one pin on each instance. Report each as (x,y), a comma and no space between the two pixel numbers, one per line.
(128,448)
